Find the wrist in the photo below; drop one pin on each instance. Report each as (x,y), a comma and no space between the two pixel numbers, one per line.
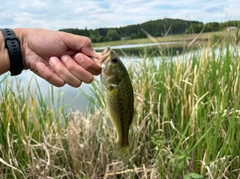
(13,46)
(19,32)
(4,58)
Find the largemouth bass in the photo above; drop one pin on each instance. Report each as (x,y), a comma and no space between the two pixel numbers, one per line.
(118,92)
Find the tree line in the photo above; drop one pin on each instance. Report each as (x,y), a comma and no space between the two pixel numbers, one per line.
(154,27)
(212,26)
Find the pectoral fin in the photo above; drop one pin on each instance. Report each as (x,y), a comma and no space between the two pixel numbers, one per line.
(112,88)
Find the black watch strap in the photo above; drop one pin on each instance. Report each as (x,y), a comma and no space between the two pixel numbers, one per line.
(13,46)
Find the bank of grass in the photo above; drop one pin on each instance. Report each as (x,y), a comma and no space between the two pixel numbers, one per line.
(187,124)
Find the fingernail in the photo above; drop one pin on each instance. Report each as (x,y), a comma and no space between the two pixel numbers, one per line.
(53,61)
(40,67)
(64,58)
(79,58)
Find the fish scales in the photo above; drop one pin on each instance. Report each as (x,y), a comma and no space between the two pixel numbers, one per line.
(119,99)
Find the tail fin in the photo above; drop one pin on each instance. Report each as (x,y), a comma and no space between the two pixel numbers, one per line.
(121,151)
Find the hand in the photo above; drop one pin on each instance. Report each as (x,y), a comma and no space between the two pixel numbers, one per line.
(58,57)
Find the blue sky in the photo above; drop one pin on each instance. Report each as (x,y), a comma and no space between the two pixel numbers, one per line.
(93,14)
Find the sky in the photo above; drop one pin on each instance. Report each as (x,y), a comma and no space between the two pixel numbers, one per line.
(92,14)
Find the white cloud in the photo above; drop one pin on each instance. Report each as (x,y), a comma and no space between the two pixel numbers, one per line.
(106,13)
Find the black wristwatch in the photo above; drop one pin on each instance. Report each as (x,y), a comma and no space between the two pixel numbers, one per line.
(13,46)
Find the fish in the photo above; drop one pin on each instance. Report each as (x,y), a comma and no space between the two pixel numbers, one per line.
(119,98)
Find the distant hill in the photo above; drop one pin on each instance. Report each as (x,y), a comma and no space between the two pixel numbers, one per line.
(154,27)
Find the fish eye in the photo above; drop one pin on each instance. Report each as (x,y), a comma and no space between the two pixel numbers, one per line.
(114,60)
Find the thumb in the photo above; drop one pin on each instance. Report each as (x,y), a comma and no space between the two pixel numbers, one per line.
(78,43)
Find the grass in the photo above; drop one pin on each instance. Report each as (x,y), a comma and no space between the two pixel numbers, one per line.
(187,111)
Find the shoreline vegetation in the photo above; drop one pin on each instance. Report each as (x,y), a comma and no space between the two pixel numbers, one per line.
(157,28)
(187,122)
(183,39)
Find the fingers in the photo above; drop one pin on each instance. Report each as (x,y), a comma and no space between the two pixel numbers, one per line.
(77,70)
(72,71)
(87,63)
(64,73)
(59,75)
(48,75)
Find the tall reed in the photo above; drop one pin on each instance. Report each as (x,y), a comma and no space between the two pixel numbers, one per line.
(187,111)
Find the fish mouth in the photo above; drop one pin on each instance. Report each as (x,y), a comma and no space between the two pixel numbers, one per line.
(103,56)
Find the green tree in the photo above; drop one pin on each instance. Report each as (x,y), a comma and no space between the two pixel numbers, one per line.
(212,26)
(113,35)
(195,28)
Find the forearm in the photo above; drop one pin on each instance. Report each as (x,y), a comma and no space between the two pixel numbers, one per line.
(4,58)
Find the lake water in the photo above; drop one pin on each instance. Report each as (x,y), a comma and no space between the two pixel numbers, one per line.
(134,46)
(74,98)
